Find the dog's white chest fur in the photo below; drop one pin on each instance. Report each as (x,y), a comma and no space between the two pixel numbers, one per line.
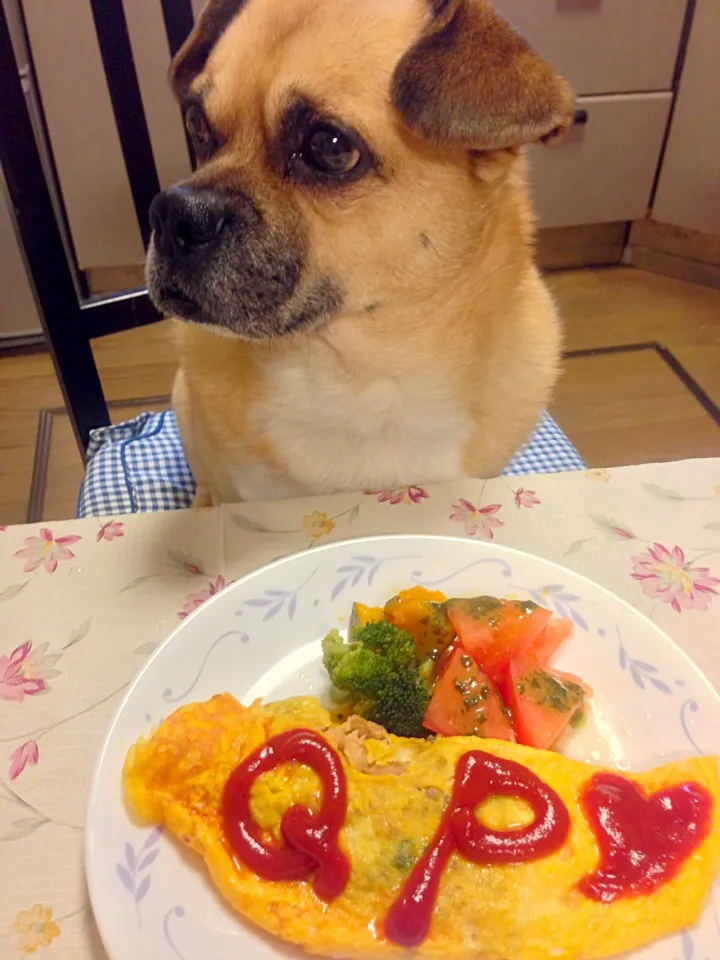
(338,435)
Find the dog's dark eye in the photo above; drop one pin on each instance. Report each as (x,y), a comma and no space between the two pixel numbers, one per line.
(330,151)
(320,152)
(199,131)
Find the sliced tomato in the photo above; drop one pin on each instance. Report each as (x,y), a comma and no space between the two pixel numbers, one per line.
(466,702)
(493,631)
(440,665)
(549,640)
(476,632)
(542,701)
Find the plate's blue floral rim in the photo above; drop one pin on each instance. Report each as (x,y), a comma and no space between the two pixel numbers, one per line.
(133,866)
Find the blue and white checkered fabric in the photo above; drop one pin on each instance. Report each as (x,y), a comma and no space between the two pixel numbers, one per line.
(140,465)
(549,450)
(136,466)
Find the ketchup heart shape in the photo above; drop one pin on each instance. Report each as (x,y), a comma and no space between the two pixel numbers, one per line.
(643,840)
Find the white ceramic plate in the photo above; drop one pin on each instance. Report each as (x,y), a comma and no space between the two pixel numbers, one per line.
(261,637)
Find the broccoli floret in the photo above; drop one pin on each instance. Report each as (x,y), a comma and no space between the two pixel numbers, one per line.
(394,644)
(378,674)
(334,649)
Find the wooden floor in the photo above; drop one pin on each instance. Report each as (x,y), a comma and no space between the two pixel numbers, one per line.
(637,406)
(624,402)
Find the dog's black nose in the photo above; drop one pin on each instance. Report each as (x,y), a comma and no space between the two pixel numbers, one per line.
(186,221)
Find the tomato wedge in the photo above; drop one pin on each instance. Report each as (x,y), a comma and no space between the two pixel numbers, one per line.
(549,640)
(466,702)
(440,665)
(494,631)
(542,701)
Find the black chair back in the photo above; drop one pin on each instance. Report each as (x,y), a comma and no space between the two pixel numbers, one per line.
(70,318)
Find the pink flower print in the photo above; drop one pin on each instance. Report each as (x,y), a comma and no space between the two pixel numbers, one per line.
(667,575)
(39,664)
(477,520)
(400,495)
(28,753)
(526,498)
(110,531)
(14,684)
(195,600)
(3,527)
(46,551)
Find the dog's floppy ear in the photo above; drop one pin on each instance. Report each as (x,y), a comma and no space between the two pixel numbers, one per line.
(192,56)
(470,80)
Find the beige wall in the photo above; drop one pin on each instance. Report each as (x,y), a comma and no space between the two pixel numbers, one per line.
(689,188)
(85,141)
(89,159)
(18,314)
(150,50)
(77,104)
(14,21)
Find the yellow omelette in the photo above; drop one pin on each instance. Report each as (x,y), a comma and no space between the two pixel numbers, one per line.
(397,791)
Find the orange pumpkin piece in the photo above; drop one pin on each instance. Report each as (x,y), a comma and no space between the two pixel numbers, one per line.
(363,615)
(423,614)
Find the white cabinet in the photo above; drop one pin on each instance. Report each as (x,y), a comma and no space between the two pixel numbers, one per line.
(604,170)
(604,46)
(620,58)
(688,192)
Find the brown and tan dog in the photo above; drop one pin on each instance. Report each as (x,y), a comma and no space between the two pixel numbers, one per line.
(359,230)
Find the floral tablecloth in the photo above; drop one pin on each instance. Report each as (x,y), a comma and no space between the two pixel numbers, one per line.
(84,602)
